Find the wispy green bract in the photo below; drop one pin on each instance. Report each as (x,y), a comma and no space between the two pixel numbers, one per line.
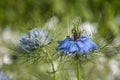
(82,45)
(35,38)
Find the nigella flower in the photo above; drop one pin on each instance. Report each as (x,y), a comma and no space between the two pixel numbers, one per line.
(82,45)
(3,76)
(77,43)
(34,39)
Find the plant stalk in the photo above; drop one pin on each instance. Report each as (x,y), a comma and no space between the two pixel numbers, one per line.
(53,67)
(78,70)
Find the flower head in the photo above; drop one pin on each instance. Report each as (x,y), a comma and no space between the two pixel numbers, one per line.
(77,43)
(3,76)
(83,45)
(34,39)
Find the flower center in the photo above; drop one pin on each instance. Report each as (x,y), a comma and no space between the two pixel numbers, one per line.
(76,31)
(76,36)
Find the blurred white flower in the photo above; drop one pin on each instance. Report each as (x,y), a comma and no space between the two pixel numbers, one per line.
(3,50)
(89,28)
(56,65)
(6,59)
(74,78)
(117,19)
(110,76)
(52,23)
(116,41)
(114,66)
(9,36)
(101,62)
(102,59)
(4,53)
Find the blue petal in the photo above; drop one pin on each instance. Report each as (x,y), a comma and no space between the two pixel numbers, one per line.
(85,49)
(87,44)
(23,37)
(68,44)
(63,45)
(80,44)
(43,34)
(83,38)
(82,47)
(34,33)
(93,44)
(73,48)
(30,48)
(81,50)
(37,42)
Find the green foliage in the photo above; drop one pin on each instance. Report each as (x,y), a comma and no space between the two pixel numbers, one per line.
(23,15)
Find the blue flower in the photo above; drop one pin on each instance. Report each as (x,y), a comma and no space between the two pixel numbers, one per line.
(83,45)
(3,76)
(34,39)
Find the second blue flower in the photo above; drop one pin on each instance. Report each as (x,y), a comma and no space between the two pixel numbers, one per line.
(34,39)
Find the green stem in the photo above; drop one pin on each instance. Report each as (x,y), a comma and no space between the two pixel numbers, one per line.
(52,64)
(53,68)
(78,70)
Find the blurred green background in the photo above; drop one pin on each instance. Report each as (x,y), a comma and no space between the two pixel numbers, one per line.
(22,15)
(18,13)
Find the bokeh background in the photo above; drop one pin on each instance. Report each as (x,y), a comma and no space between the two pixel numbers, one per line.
(100,18)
